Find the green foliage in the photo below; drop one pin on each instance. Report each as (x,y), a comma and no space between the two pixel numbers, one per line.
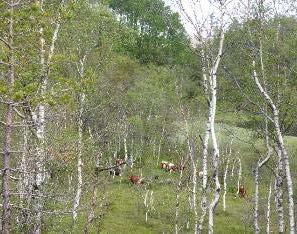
(141,82)
(158,36)
(279,59)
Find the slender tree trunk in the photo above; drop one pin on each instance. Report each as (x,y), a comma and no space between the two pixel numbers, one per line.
(205,143)
(125,141)
(288,176)
(205,172)
(225,182)
(239,175)
(154,145)
(148,200)
(79,158)
(6,210)
(160,143)
(268,209)
(132,152)
(233,167)
(177,203)
(39,119)
(216,153)
(282,148)
(191,147)
(256,200)
(39,160)
(279,194)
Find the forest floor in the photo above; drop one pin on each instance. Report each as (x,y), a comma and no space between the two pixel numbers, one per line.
(125,210)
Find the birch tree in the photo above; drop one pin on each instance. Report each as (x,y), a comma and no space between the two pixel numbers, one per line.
(89,53)
(263,31)
(209,77)
(46,52)
(275,121)
(281,146)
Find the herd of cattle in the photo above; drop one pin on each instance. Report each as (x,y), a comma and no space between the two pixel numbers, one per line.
(170,167)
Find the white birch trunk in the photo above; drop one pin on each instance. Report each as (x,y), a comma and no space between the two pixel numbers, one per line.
(154,147)
(233,167)
(216,153)
(125,142)
(239,175)
(281,146)
(205,172)
(194,183)
(177,203)
(160,143)
(82,96)
(79,158)
(148,201)
(39,120)
(132,152)
(268,209)
(125,149)
(225,183)
(258,167)
(279,194)
(256,200)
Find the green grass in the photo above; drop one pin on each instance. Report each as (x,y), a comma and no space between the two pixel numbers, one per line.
(125,212)
(127,215)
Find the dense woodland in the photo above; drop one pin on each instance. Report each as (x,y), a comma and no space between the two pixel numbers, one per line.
(115,119)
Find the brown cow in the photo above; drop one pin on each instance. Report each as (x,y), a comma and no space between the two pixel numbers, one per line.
(163,164)
(171,167)
(136,179)
(119,162)
(242,191)
(168,166)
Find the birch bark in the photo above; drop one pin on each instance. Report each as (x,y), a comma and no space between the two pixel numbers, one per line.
(82,97)
(225,180)
(79,158)
(39,120)
(278,191)
(205,149)
(216,153)
(268,208)
(282,148)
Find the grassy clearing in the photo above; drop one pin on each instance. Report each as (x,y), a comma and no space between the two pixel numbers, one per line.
(127,214)
(124,211)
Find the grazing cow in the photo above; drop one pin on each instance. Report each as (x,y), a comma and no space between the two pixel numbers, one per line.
(242,191)
(136,179)
(119,162)
(163,164)
(171,167)
(168,166)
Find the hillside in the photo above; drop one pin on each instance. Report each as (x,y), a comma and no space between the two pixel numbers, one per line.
(148,116)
